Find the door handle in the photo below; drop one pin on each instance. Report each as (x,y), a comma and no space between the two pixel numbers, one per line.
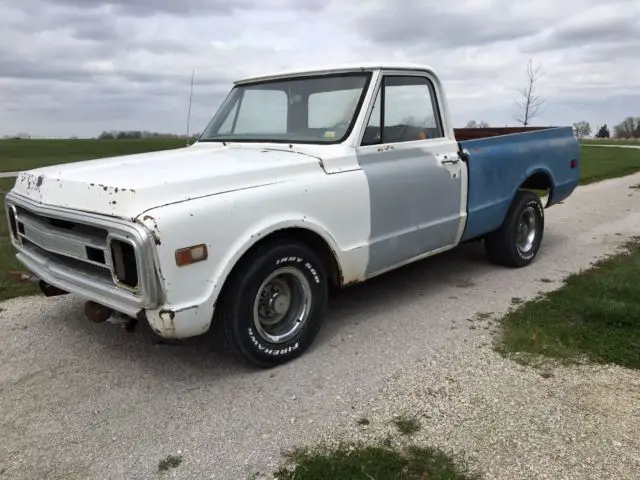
(448,158)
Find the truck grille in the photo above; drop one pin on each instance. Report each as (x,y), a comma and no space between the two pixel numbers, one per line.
(88,250)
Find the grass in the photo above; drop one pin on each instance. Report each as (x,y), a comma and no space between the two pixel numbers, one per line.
(18,155)
(170,461)
(407,425)
(595,316)
(8,287)
(355,462)
(603,163)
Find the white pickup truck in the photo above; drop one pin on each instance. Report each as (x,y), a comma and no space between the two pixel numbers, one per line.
(300,179)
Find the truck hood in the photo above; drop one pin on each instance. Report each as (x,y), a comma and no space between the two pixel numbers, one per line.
(126,186)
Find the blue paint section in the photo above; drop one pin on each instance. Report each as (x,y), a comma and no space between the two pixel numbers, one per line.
(499,165)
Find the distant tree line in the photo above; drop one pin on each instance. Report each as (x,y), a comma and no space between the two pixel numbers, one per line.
(628,128)
(474,124)
(129,134)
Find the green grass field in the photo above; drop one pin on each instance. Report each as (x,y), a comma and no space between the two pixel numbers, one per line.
(8,287)
(595,315)
(18,155)
(603,163)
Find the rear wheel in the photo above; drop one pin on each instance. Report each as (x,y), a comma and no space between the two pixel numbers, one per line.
(518,240)
(274,304)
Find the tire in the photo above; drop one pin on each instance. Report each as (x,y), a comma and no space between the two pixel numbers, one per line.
(508,246)
(289,275)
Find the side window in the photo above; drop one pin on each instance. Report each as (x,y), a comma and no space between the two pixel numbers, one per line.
(262,111)
(372,131)
(410,110)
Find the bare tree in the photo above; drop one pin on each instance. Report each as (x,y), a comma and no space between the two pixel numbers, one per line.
(582,129)
(628,128)
(531,105)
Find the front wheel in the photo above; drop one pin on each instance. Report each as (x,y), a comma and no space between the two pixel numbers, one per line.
(518,240)
(275,303)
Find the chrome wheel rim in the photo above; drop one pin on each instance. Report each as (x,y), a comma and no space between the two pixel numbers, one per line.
(281,307)
(527,230)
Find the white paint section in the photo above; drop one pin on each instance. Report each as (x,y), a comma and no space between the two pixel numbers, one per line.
(337,68)
(128,185)
(335,207)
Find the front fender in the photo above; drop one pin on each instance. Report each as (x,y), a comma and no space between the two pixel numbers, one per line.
(230,224)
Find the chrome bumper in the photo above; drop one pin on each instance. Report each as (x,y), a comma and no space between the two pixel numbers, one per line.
(80,261)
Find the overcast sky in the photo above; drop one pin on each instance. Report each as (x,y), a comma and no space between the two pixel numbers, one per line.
(77,67)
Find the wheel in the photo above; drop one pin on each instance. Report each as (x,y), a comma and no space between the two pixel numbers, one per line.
(518,240)
(275,303)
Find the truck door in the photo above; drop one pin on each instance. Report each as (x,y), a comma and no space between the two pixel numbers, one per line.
(417,182)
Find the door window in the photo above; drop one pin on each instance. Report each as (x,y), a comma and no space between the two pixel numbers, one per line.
(405,111)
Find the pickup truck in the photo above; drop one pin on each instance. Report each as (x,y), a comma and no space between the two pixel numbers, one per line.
(300,180)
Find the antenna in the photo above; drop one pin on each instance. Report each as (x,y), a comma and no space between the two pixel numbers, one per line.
(193,72)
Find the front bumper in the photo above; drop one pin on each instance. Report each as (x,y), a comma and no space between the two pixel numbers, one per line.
(44,255)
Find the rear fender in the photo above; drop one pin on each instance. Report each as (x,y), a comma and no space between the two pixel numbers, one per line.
(530,182)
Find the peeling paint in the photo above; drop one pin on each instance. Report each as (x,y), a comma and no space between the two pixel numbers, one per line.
(155,231)
(167,316)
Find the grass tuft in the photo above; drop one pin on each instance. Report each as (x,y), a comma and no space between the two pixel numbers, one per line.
(594,316)
(357,462)
(407,425)
(170,461)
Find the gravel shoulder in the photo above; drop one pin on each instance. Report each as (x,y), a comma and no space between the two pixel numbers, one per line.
(91,401)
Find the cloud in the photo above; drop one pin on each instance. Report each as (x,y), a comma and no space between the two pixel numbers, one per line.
(592,27)
(77,67)
(187,7)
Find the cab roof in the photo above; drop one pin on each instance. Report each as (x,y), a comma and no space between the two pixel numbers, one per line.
(344,68)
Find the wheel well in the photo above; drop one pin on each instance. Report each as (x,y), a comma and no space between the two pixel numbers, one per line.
(312,240)
(539,182)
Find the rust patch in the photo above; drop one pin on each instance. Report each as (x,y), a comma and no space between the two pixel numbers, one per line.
(155,232)
(39,181)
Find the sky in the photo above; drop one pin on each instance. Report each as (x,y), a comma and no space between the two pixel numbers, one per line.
(78,67)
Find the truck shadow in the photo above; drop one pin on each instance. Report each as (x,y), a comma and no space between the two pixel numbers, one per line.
(461,268)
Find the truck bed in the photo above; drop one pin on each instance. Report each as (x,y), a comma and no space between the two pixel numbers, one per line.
(501,160)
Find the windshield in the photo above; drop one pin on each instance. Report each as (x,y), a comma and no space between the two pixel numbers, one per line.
(319,109)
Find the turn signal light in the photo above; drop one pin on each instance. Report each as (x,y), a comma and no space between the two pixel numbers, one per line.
(574,163)
(189,255)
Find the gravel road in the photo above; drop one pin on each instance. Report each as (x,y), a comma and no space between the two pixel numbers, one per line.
(83,401)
